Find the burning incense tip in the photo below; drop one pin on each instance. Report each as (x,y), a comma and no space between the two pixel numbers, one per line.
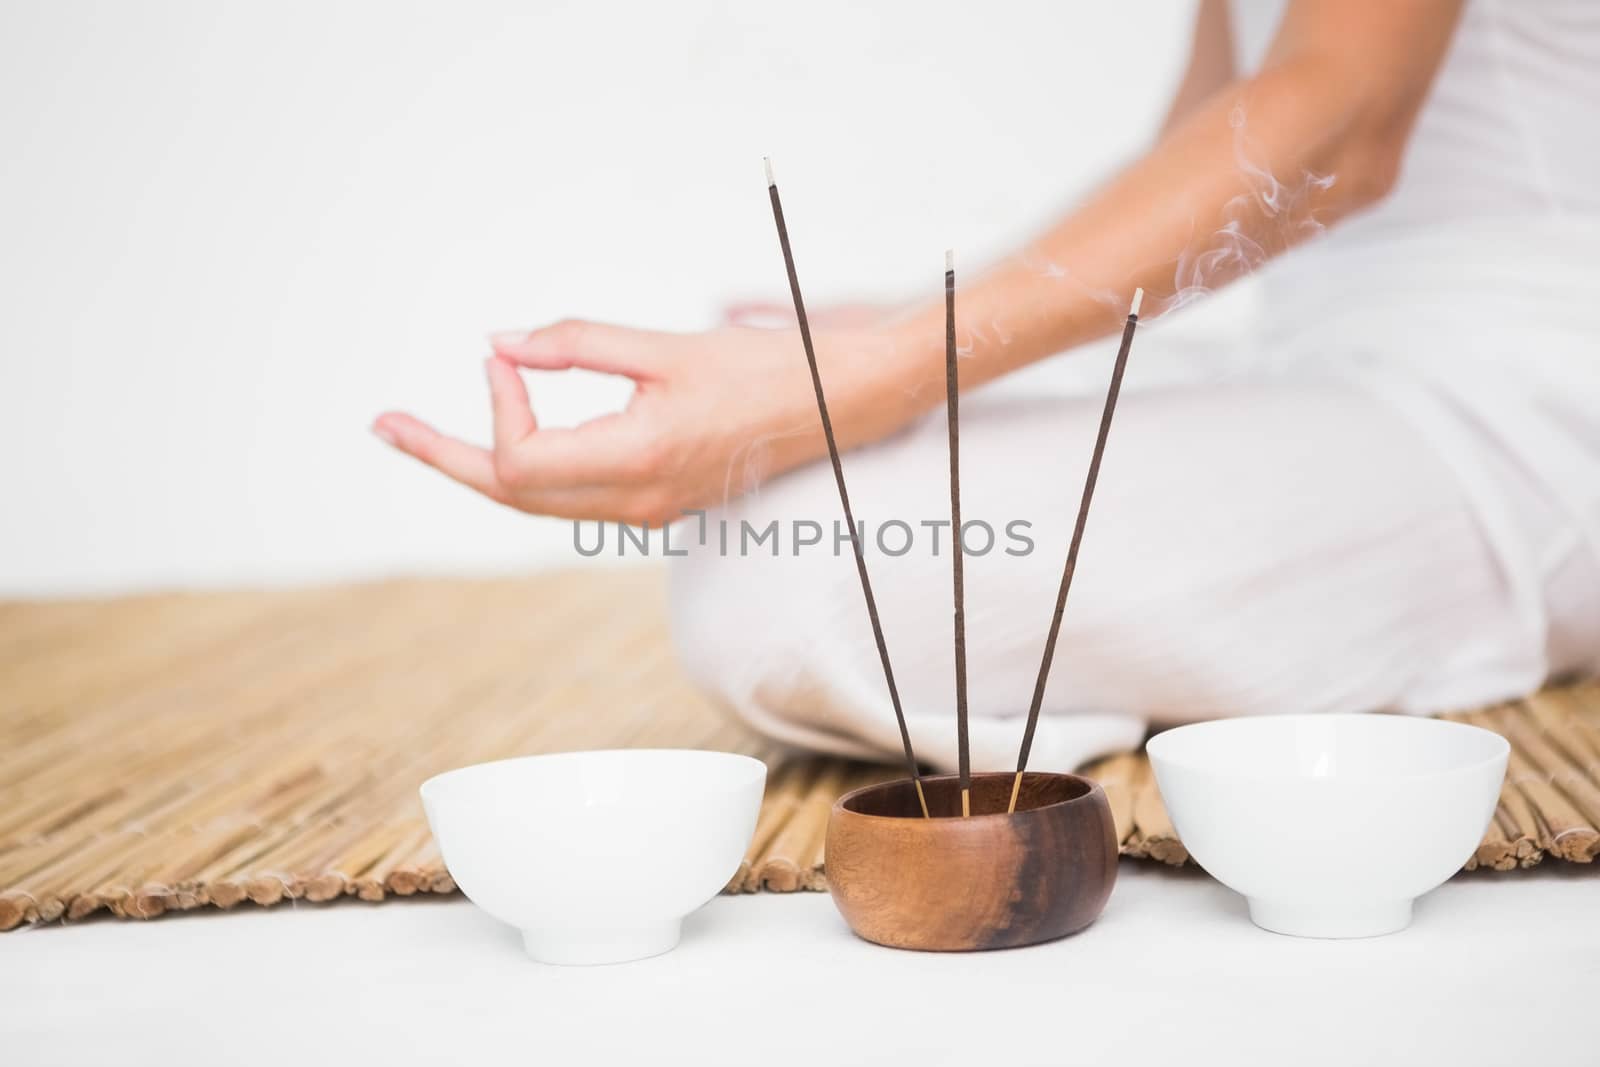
(1138,294)
(949,260)
(766,161)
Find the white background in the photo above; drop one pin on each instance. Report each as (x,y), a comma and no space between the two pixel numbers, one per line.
(231,233)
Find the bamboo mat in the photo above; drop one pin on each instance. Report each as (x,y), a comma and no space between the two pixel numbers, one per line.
(169,752)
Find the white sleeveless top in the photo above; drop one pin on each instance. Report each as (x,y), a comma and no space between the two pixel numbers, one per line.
(1509,129)
(1470,296)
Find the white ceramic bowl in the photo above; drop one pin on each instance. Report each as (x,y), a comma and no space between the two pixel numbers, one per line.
(596,857)
(1330,825)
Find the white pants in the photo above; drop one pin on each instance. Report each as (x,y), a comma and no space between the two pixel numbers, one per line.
(1255,546)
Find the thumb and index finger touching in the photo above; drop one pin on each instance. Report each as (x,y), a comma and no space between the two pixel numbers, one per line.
(525,456)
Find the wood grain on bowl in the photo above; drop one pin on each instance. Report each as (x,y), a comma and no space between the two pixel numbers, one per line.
(995,880)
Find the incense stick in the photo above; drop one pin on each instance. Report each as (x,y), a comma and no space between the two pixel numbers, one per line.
(844,496)
(952,392)
(1077,540)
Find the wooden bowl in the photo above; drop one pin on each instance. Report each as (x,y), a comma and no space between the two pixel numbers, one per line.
(992,880)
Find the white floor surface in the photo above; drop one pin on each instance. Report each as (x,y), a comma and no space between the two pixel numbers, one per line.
(1496,969)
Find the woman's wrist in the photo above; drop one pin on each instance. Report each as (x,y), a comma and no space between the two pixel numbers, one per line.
(877,380)
(902,368)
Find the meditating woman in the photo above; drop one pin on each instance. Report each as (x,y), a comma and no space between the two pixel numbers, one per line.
(1390,499)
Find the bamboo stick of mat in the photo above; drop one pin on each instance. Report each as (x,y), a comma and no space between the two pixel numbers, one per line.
(777,805)
(417,873)
(1584,723)
(788,862)
(373,883)
(1587,699)
(952,394)
(180,881)
(338,871)
(1519,824)
(1577,839)
(227,876)
(1157,837)
(1495,850)
(54,889)
(1071,567)
(838,477)
(1118,779)
(1523,828)
(1563,829)
(1555,716)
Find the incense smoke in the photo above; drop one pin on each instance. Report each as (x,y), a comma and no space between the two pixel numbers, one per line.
(750,464)
(1281,213)
(1111,298)
(1278,214)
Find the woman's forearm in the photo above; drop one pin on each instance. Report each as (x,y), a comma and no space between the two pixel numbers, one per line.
(1256,169)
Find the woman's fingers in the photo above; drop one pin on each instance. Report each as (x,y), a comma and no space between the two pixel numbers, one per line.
(589,345)
(617,467)
(477,468)
(602,452)
(508,398)
(470,465)
(613,450)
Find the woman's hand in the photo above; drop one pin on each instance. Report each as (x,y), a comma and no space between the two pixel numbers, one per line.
(711,415)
